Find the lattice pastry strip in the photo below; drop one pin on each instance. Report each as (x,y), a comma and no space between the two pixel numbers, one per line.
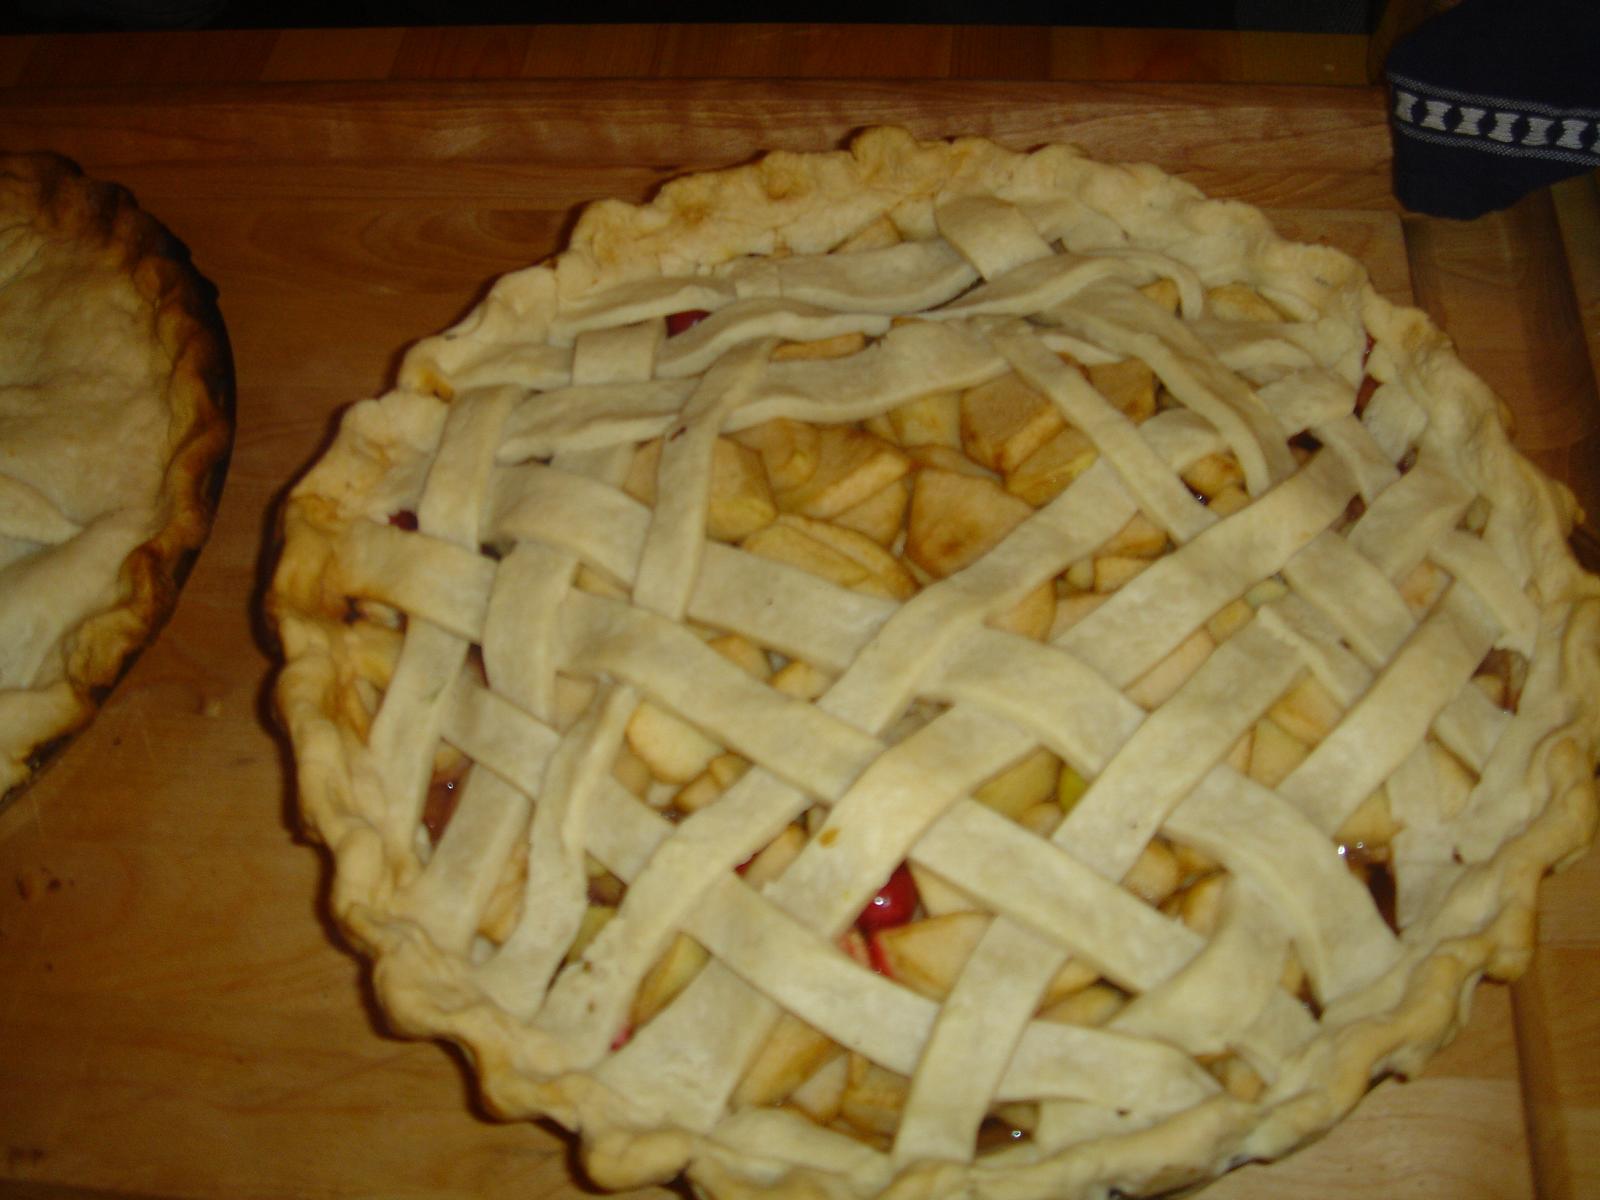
(1158,605)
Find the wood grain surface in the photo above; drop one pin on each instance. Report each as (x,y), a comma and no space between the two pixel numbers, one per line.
(685,51)
(176,1016)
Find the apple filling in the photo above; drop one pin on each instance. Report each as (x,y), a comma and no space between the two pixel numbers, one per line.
(886,507)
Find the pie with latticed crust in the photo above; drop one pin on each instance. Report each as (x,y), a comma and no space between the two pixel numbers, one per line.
(927,670)
(116,420)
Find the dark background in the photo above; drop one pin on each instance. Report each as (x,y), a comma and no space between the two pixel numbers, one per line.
(1310,16)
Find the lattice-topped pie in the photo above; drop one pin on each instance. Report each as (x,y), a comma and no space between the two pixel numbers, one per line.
(926,670)
(116,421)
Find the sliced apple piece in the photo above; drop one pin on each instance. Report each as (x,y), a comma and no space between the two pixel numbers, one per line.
(587,579)
(853,944)
(873,1098)
(642,472)
(573,697)
(1229,619)
(1052,467)
(1240,302)
(1007,1121)
(939,895)
(669,976)
(801,680)
(631,771)
(1031,617)
(1043,818)
(1199,906)
(1192,863)
(1155,875)
(774,859)
(1422,586)
(1307,711)
(700,791)
(1073,606)
(1074,976)
(1079,576)
(1239,753)
(888,575)
(1274,753)
(1294,973)
(1093,1005)
(1070,787)
(1266,591)
(743,653)
(1139,538)
(1229,500)
(739,501)
(791,1054)
(674,750)
(1372,823)
(1111,571)
(1157,685)
(1494,687)
(946,458)
(879,426)
(1130,385)
(881,515)
(1023,784)
(852,466)
(721,773)
(604,887)
(727,769)
(1239,1078)
(927,955)
(504,908)
(789,450)
(821,1096)
(840,345)
(956,519)
(1211,473)
(1164,292)
(933,420)
(843,556)
(593,921)
(1005,420)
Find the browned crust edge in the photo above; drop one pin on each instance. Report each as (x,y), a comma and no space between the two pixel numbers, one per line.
(201,395)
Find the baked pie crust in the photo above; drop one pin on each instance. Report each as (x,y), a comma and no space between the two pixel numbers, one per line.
(116,421)
(1164,615)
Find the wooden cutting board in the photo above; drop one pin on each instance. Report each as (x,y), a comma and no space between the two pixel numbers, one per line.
(177,1017)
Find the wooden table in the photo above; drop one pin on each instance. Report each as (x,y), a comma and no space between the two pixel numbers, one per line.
(176,1016)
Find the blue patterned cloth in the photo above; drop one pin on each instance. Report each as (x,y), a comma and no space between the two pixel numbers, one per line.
(1492,100)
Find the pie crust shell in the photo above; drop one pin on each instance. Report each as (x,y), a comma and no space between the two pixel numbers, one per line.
(116,424)
(434,546)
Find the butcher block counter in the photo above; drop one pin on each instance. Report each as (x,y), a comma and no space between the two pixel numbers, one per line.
(177,1016)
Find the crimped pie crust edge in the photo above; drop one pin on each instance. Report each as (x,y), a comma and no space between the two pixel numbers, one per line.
(186,325)
(811,202)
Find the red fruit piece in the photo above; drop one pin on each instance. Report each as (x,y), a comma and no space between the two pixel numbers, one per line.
(854,943)
(679,321)
(1368,383)
(440,806)
(1364,393)
(895,903)
(404,519)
